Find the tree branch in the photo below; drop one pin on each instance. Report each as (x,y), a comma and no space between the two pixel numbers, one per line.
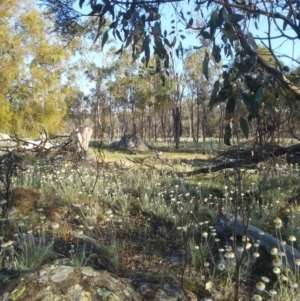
(279,76)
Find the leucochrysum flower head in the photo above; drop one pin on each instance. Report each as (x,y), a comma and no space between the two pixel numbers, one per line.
(277,262)
(240,249)
(244,238)
(221,266)
(248,245)
(292,238)
(273,293)
(274,251)
(277,220)
(204,234)
(55,225)
(265,279)
(229,255)
(256,254)
(260,286)
(293,284)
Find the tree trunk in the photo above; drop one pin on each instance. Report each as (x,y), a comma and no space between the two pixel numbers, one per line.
(155,128)
(191,121)
(177,126)
(204,121)
(198,120)
(221,122)
(110,136)
(142,125)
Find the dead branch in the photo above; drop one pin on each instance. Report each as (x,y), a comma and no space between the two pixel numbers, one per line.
(226,224)
(249,160)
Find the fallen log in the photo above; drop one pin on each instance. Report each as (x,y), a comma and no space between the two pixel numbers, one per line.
(226,224)
(249,160)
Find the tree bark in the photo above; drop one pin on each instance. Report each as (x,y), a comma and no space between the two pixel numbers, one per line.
(177,126)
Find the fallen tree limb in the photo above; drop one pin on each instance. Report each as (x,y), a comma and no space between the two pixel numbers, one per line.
(249,160)
(227,225)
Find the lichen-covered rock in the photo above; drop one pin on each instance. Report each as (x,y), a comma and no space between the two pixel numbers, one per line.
(165,292)
(66,283)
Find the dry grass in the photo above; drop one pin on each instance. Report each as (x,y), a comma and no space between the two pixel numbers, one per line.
(145,223)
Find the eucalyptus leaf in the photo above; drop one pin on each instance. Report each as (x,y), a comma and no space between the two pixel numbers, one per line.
(119,35)
(166,41)
(251,40)
(284,25)
(247,65)
(216,53)
(104,38)
(258,95)
(159,48)
(232,18)
(252,83)
(213,22)
(190,23)
(166,61)
(230,107)
(128,41)
(147,49)
(227,134)
(174,42)
(205,65)
(214,94)
(100,25)
(205,35)
(229,33)
(286,68)
(113,25)
(239,102)
(244,126)
(80,3)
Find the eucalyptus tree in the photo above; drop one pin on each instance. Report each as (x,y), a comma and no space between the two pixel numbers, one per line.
(198,90)
(34,73)
(125,84)
(140,96)
(159,103)
(100,94)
